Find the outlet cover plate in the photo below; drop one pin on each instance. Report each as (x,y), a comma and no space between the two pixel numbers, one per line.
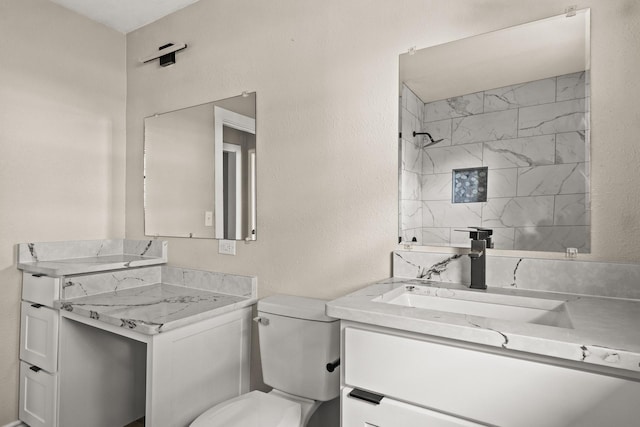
(227,247)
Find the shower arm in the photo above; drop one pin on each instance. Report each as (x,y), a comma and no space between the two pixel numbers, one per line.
(432,141)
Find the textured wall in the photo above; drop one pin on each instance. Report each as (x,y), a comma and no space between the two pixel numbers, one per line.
(326,78)
(62,146)
(326,81)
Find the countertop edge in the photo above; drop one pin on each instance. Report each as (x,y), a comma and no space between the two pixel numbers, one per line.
(148,328)
(358,307)
(41,267)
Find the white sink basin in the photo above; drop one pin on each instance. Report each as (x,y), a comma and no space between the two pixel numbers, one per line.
(497,306)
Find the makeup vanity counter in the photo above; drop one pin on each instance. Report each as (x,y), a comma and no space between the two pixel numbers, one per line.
(110,334)
(574,362)
(156,308)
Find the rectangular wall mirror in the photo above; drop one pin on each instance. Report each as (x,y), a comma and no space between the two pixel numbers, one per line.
(200,171)
(494,132)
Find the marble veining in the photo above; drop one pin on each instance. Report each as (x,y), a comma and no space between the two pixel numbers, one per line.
(91,284)
(612,341)
(553,118)
(613,280)
(520,95)
(458,106)
(153,309)
(155,299)
(231,284)
(87,256)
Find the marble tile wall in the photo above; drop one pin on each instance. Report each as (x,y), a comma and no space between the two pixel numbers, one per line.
(533,137)
(411,167)
(618,280)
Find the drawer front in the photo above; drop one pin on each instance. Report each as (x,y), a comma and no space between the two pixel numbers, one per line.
(39,336)
(38,397)
(392,413)
(40,289)
(485,387)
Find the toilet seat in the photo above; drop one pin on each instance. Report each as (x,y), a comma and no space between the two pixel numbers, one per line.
(253,409)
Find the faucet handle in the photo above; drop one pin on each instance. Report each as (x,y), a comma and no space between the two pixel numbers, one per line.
(488,230)
(487,236)
(480,233)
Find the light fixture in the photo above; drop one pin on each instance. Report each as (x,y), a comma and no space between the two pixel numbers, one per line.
(166,54)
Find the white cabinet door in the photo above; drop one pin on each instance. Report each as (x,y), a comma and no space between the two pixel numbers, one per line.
(38,395)
(39,336)
(391,413)
(197,367)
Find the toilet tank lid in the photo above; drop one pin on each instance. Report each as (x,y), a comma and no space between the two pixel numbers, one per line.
(297,307)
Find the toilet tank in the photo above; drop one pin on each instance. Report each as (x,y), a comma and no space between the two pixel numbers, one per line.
(297,340)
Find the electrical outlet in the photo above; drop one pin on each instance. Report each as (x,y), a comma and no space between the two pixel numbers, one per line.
(208,219)
(227,247)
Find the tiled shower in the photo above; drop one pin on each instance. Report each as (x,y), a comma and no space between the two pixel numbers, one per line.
(523,148)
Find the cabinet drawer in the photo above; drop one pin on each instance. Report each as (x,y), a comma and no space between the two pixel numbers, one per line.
(38,396)
(39,336)
(482,386)
(392,413)
(40,289)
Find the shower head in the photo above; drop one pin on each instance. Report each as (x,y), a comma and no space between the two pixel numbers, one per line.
(428,135)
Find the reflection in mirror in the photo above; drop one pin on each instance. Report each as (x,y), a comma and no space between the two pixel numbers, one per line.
(200,171)
(495,133)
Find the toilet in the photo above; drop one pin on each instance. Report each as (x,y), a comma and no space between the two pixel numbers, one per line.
(299,350)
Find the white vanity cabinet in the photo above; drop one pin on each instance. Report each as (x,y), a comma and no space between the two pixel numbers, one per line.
(109,334)
(39,350)
(423,380)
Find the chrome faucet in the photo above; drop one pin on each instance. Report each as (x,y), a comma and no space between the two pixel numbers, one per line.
(480,241)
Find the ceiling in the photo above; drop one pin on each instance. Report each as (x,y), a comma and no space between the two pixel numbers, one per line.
(124,15)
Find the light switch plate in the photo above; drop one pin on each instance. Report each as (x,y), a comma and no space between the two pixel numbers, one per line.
(227,247)
(208,218)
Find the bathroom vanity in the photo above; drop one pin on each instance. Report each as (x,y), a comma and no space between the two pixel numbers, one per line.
(110,334)
(417,351)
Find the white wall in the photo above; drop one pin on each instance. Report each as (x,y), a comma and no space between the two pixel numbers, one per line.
(62,145)
(326,75)
(326,78)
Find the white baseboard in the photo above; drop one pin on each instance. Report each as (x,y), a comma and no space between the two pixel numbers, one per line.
(15,424)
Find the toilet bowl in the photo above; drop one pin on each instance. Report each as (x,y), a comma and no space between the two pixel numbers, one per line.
(252,409)
(297,341)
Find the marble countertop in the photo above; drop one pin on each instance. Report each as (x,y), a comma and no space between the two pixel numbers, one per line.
(65,267)
(64,258)
(602,331)
(154,308)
